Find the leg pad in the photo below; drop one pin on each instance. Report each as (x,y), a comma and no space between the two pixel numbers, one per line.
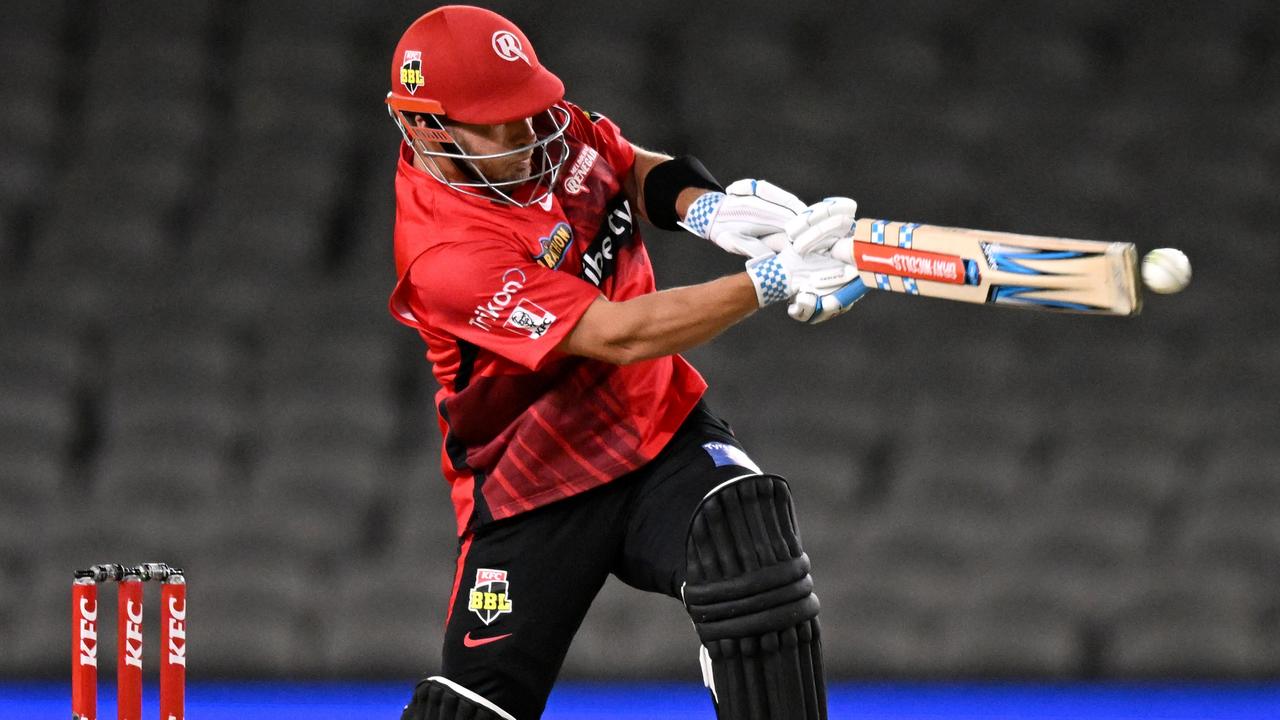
(438,698)
(750,595)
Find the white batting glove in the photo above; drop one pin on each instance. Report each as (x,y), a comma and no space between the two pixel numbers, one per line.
(778,277)
(748,218)
(821,225)
(813,234)
(812,308)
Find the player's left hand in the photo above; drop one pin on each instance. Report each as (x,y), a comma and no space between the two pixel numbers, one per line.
(809,306)
(778,277)
(746,219)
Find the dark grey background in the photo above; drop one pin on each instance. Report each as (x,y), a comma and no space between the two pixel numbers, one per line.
(196,363)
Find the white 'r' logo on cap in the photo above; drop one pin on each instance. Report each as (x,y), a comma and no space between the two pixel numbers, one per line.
(508,47)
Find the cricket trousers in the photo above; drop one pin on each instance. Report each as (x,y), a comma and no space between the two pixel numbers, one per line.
(524,584)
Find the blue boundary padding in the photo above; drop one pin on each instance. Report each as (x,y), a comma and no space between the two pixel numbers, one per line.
(580,701)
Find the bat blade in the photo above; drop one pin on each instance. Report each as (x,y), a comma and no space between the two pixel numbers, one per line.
(979,266)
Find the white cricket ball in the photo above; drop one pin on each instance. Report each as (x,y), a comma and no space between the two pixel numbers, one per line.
(1166,270)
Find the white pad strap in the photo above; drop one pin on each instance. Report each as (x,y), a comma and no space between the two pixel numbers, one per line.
(729,482)
(470,695)
(708,678)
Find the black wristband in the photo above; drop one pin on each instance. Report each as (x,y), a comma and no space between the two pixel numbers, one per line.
(666,181)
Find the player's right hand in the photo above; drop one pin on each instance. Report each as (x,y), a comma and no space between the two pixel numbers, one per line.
(813,308)
(748,218)
(779,276)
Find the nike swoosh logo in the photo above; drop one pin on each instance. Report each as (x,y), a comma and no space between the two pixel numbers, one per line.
(477,642)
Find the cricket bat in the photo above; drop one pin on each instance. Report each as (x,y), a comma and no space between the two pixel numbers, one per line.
(979,266)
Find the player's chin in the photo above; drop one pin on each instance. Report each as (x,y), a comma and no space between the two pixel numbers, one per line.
(513,173)
(522,170)
(516,176)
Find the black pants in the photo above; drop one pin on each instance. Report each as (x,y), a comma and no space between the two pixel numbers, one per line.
(524,584)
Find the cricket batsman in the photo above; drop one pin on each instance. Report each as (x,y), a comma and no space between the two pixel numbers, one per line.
(576,439)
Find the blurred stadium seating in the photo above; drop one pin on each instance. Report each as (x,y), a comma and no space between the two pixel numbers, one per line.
(197,365)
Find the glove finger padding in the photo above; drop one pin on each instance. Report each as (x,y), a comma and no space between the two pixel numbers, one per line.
(768,192)
(840,205)
(803,306)
(816,229)
(812,308)
(817,238)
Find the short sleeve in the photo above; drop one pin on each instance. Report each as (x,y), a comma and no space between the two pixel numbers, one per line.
(606,137)
(497,298)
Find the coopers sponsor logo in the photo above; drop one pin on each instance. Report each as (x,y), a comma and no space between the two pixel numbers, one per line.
(578,171)
(554,246)
(513,281)
(529,318)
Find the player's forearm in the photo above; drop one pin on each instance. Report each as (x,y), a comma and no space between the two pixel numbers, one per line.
(661,323)
(646,161)
(681,318)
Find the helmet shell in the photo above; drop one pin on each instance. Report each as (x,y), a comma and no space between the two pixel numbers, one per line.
(471,65)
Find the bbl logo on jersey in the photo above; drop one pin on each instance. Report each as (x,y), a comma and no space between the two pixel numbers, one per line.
(411,71)
(490,598)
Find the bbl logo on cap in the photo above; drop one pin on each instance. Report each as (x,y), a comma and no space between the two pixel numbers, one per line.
(411,71)
(489,598)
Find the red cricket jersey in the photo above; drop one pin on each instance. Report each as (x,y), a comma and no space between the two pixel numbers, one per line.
(492,289)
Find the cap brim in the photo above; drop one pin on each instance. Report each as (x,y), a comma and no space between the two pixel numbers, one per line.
(538,92)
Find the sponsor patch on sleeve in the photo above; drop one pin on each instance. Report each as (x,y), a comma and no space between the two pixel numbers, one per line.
(554,245)
(529,318)
(723,454)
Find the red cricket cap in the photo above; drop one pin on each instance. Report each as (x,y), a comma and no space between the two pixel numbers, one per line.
(472,65)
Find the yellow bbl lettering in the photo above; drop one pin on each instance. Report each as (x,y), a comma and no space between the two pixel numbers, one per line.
(480,600)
